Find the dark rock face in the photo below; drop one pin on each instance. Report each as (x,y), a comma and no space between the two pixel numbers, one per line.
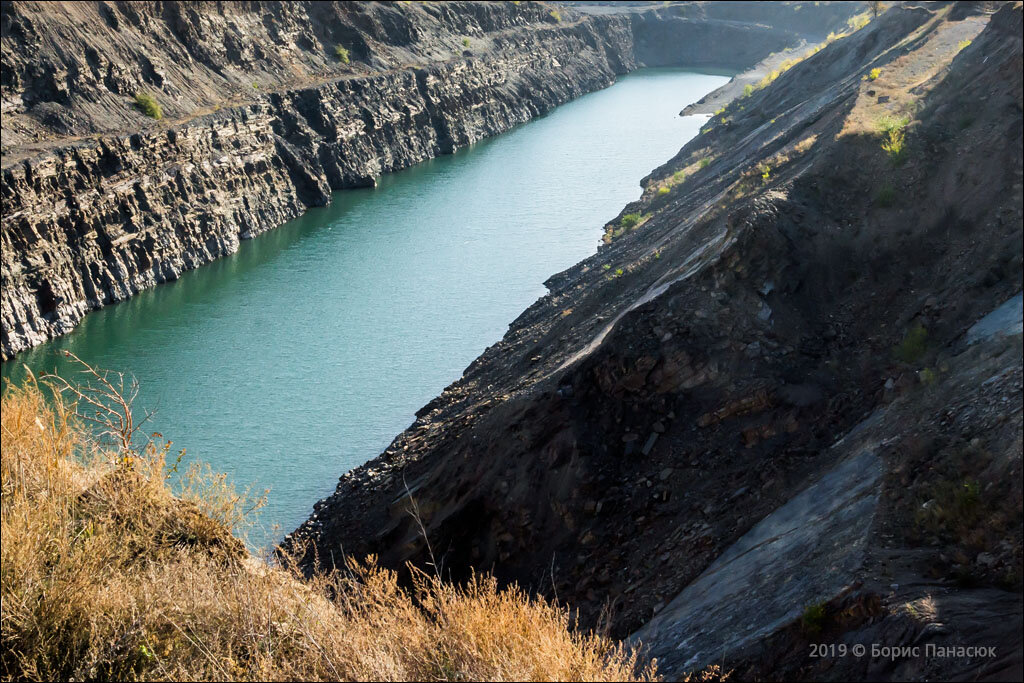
(91,214)
(701,370)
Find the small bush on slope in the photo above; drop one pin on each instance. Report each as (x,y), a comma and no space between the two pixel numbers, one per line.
(148,105)
(107,575)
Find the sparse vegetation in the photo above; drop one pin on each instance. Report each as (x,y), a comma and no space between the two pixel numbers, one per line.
(631,220)
(107,575)
(556,15)
(874,74)
(748,90)
(815,50)
(813,619)
(775,73)
(859,21)
(853,24)
(342,54)
(766,173)
(959,503)
(954,509)
(962,44)
(704,163)
(465,42)
(148,105)
(893,145)
(888,123)
(663,190)
(893,136)
(913,345)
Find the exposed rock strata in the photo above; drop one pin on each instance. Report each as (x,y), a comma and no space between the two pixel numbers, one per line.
(687,381)
(91,215)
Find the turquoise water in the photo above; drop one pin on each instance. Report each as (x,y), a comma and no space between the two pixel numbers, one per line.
(302,355)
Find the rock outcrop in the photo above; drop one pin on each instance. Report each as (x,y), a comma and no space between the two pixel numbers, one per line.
(813,258)
(263,120)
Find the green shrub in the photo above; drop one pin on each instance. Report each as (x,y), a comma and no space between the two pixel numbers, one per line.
(556,15)
(631,220)
(874,74)
(766,172)
(893,137)
(342,54)
(704,163)
(663,190)
(893,145)
(889,123)
(914,344)
(748,90)
(465,42)
(813,619)
(148,105)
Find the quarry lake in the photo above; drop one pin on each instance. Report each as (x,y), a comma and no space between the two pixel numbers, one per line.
(303,354)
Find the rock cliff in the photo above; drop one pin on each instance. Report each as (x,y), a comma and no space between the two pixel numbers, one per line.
(263,118)
(761,413)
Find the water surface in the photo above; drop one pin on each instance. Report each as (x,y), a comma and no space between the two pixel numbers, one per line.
(302,355)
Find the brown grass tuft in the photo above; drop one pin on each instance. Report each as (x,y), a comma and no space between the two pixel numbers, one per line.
(106,574)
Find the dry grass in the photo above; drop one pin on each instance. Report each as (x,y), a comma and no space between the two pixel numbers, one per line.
(107,575)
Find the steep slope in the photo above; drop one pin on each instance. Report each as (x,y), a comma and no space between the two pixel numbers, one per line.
(262,120)
(815,255)
(107,575)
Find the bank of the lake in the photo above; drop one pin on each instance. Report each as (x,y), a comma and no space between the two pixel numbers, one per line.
(303,354)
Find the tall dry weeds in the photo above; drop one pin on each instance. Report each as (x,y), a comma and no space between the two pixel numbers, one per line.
(106,574)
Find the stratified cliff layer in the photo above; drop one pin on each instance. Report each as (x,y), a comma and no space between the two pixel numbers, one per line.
(263,120)
(763,413)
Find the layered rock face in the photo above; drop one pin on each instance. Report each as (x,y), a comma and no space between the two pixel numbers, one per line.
(93,223)
(263,120)
(768,393)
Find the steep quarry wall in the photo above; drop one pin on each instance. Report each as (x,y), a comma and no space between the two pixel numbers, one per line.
(812,258)
(263,121)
